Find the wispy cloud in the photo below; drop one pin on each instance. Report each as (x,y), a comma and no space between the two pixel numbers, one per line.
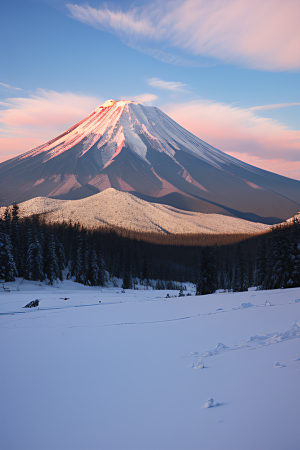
(258,35)
(276,106)
(29,122)
(263,142)
(7,86)
(171,58)
(133,22)
(144,98)
(175,86)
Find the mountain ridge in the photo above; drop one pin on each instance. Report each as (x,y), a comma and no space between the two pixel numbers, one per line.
(122,209)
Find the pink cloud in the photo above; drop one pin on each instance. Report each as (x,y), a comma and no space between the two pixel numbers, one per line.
(29,122)
(256,34)
(262,142)
(13,146)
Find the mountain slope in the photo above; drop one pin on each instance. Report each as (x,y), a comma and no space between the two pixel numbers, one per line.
(141,150)
(112,207)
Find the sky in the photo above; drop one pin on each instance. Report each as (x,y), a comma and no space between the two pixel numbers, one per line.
(228,71)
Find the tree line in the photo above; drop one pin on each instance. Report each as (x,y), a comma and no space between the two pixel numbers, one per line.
(38,251)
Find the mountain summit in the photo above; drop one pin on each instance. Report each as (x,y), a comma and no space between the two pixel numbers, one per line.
(139,149)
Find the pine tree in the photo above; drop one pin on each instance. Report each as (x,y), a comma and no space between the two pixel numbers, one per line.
(145,270)
(261,263)
(281,261)
(207,274)
(8,270)
(101,265)
(295,254)
(52,265)
(93,270)
(18,250)
(60,253)
(78,272)
(6,221)
(241,278)
(35,258)
(127,268)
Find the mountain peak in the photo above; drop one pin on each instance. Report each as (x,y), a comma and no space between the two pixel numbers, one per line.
(112,102)
(139,149)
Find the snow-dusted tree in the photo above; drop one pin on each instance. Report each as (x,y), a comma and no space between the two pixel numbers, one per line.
(15,212)
(18,247)
(35,258)
(8,269)
(52,266)
(6,221)
(93,268)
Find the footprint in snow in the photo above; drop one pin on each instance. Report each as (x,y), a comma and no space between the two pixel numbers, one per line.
(279,365)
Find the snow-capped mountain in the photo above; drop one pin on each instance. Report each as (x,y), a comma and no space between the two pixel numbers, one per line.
(139,149)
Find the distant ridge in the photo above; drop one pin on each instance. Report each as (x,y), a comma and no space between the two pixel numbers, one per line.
(130,147)
(122,209)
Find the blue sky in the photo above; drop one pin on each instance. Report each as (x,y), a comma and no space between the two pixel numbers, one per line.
(227,71)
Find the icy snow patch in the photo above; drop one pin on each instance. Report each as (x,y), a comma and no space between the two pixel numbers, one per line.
(246,305)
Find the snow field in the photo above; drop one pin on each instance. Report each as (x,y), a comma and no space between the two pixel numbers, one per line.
(118,375)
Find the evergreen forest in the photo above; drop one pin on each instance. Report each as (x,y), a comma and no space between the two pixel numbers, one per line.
(32,249)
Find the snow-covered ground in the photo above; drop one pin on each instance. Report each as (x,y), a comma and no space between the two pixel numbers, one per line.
(139,371)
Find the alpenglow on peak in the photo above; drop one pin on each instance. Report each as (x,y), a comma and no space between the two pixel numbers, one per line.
(139,149)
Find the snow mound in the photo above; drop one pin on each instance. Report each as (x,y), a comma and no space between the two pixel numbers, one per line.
(292,333)
(220,348)
(253,343)
(200,365)
(210,403)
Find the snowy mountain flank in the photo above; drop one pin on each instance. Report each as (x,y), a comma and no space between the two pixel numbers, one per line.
(130,147)
(112,207)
